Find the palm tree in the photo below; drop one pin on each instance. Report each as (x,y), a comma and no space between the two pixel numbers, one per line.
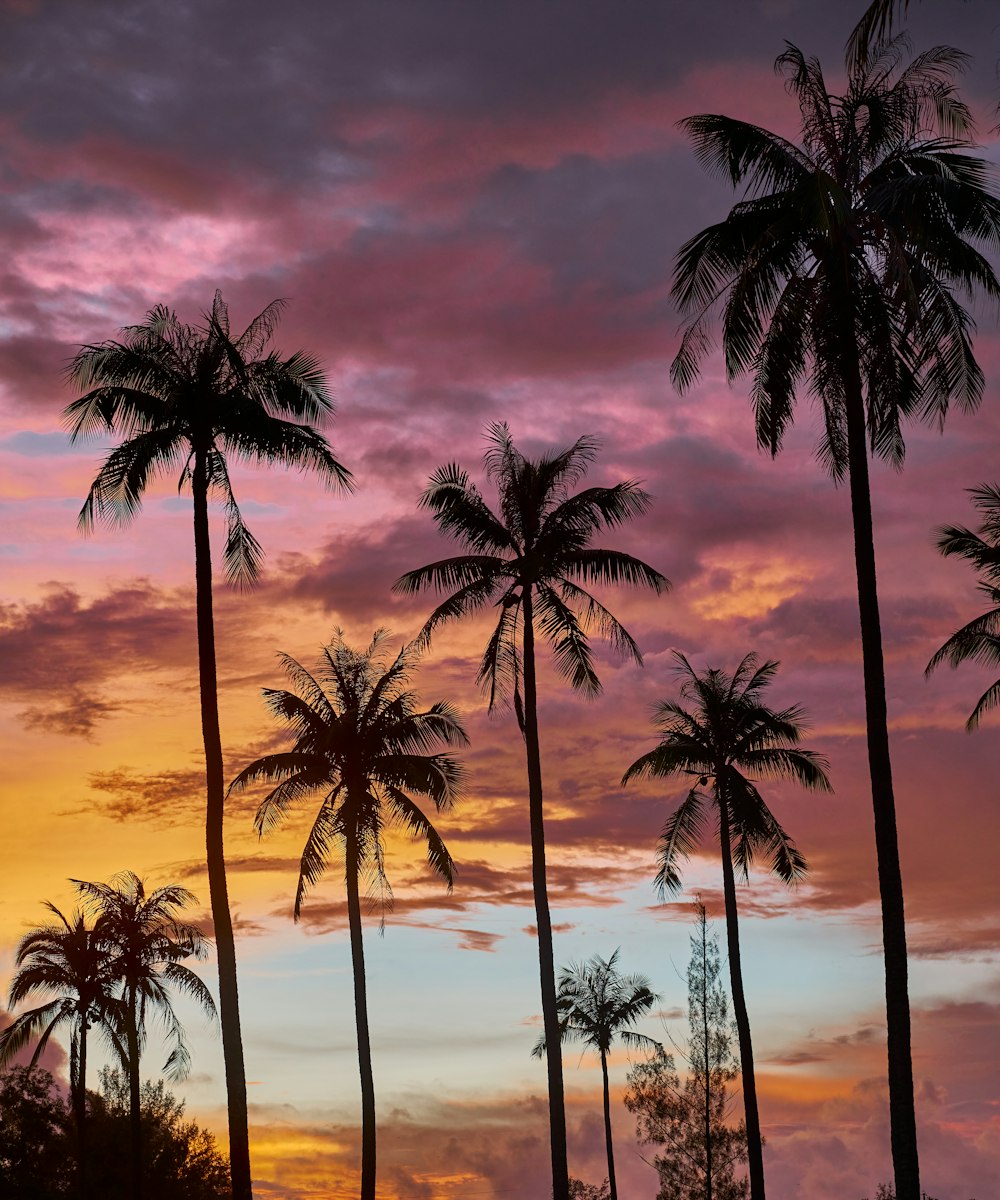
(361,742)
(727,736)
(529,562)
(193,397)
(66,961)
(597,1004)
(979,641)
(838,271)
(145,941)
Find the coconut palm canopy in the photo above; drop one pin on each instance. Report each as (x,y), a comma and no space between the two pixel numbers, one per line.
(472,213)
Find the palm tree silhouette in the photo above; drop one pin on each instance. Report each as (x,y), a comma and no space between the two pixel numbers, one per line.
(144,941)
(725,735)
(838,270)
(597,1005)
(979,641)
(66,961)
(194,396)
(362,742)
(529,562)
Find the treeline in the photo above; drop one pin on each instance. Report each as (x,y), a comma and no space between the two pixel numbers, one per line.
(39,1147)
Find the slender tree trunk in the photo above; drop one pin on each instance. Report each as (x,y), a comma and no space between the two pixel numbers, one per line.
(368,1159)
(755,1156)
(902,1117)
(607,1127)
(546,961)
(229,1004)
(134,1098)
(80,1111)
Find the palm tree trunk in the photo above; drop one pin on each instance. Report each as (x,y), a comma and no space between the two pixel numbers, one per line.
(755,1156)
(902,1117)
(368,1159)
(546,961)
(607,1128)
(134,1099)
(229,1005)
(80,1110)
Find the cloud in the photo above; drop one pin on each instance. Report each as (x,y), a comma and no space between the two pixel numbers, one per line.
(62,653)
(165,798)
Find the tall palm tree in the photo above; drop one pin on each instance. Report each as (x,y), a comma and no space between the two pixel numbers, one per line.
(597,1005)
(529,562)
(838,272)
(979,641)
(729,738)
(361,742)
(68,962)
(194,397)
(145,942)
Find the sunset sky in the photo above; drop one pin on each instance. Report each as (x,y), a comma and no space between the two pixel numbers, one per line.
(472,209)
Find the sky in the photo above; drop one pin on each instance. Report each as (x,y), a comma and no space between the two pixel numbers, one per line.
(472,210)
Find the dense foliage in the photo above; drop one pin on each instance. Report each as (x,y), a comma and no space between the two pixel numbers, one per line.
(38,1142)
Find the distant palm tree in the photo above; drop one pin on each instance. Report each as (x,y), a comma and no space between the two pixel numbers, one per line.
(66,961)
(145,941)
(727,736)
(529,563)
(979,641)
(837,273)
(361,742)
(597,1005)
(191,397)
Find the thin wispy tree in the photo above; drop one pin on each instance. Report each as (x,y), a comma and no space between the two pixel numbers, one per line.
(194,398)
(722,733)
(530,562)
(840,273)
(362,743)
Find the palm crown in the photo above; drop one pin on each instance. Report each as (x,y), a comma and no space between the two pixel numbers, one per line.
(145,942)
(67,961)
(860,236)
(361,741)
(535,549)
(598,1004)
(728,736)
(183,394)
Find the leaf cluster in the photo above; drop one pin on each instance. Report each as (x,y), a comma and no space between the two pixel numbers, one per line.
(532,560)
(849,253)
(194,398)
(721,732)
(362,742)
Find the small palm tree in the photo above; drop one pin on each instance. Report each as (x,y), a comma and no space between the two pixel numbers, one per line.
(840,272)
(529,562)
(361,742)
(597,1005)
(145,942)
(194,398)
(979,641)
(68,962)
(729,737)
